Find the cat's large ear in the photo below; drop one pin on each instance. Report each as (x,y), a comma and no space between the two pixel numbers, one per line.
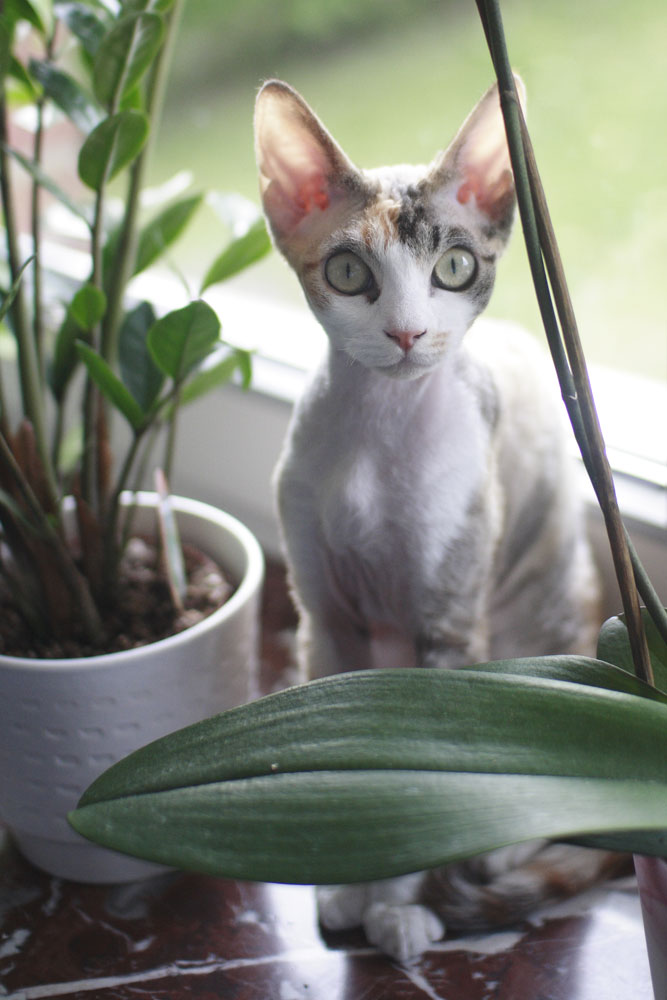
(303,172)
(477,163)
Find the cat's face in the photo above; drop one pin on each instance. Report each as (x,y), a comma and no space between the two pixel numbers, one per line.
(396,263)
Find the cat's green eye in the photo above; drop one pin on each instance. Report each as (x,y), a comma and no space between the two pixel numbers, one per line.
(455,270)
(347,273)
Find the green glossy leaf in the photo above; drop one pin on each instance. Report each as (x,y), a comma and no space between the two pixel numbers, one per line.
(110,385)
(45,181)
(85,23)
(139,372)
(183,338)
(576,670)
(371,774)
(614,646)
(24,90)
(70,97)
(112,146)
(35,12)
(162,231)
(330,827)
(210,376)
(88,307)
(124,55)
(239,254)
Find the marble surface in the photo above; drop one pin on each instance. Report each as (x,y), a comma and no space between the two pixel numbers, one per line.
(181,936)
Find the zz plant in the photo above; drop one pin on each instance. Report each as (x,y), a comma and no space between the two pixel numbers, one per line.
(95,355)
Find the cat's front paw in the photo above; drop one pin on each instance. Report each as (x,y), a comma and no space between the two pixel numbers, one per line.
(402,931)
(341,907)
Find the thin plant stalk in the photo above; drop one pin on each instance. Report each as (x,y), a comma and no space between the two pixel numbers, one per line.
(28,362)
(574,382)
(46,529)
(123,265)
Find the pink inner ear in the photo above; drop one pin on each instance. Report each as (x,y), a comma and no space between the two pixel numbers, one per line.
(312,194)
(493,191)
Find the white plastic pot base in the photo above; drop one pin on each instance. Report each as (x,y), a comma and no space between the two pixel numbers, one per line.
(81,861)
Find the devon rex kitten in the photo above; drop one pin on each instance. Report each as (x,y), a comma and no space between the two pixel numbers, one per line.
(424,489)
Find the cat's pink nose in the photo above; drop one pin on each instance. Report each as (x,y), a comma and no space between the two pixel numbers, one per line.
(405,338)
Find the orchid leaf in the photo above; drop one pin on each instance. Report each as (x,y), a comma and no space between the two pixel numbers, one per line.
(614,646)
(373,774)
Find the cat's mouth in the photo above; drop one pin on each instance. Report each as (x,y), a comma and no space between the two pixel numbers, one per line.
(408,367)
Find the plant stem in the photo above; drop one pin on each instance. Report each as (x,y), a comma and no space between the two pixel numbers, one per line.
(123,265)
(28,361)
(575,385)
(45,527)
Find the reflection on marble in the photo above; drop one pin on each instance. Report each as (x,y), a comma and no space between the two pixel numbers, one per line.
(192,936)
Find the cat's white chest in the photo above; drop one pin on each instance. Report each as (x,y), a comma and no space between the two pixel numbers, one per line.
(392,493)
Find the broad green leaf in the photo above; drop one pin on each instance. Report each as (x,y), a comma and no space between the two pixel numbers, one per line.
(212,375)
(110,385)
(450,720)
(139,372)
(373,774)
(163,230)
(67,94)
(614,646)
(335,826)
(37,13)
(85,23)
(183,338)
(112,146)
(7,300)
(239,254)
(45,181)
(88,307)
(124,55)
(577,670)
(24,90)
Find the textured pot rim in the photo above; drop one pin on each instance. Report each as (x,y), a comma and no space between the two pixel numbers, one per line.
(250,582)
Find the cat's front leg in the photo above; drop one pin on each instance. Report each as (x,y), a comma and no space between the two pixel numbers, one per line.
(330,643)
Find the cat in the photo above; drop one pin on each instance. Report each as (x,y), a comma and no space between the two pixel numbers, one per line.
(425,491)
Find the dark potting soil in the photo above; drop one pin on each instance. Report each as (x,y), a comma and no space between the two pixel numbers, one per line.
(143,613)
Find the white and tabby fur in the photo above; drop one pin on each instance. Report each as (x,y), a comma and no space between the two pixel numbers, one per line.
(424,490)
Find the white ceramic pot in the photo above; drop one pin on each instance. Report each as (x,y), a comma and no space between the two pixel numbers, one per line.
(63,722)
(652,883)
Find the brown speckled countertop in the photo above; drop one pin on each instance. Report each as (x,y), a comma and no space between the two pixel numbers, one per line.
(181,936)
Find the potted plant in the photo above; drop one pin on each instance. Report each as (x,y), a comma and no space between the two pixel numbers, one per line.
(375,774)
(103,644)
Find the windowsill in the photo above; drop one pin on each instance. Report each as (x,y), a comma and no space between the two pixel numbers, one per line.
(288,343)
